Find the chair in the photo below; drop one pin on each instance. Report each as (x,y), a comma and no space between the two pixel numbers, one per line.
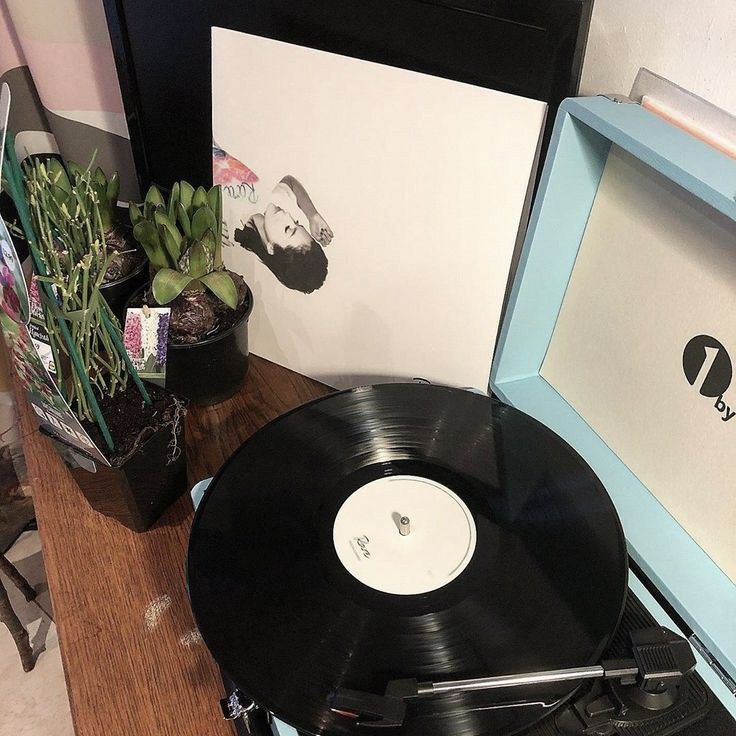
(8,615)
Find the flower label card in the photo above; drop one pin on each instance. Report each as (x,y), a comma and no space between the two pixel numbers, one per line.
(146,339)
(14,299)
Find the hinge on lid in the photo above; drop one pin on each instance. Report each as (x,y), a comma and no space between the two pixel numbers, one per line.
(713,663)
(620,99)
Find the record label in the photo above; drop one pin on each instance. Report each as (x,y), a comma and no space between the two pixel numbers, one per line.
(432,546)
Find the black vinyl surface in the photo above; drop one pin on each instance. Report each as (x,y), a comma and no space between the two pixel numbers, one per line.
(287,622)
(532,48)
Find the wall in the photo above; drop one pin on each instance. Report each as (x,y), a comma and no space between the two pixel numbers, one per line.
(692,43)
(57,58)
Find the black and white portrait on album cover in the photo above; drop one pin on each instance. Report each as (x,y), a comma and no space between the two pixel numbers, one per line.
(289,237)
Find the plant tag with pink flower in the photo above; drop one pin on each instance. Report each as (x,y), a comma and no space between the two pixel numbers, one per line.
(146,338)
(13,291)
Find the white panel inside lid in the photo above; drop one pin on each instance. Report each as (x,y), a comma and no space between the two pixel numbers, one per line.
(657,268)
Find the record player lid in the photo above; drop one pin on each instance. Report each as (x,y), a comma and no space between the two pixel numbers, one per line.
(585,131)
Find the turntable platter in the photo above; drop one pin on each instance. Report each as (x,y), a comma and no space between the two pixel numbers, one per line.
(398,531)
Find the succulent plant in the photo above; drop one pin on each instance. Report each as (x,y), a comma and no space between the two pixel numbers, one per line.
(183,242)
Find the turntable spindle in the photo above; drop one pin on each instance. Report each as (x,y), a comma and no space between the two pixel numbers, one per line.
(404,526)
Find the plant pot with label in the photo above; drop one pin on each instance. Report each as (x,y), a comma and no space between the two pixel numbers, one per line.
(207,357)
(125,441)
(147,471)
(212,369)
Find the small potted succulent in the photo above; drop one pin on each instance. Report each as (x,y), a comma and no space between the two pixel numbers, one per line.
(208,333)
(127,270)
(138,430)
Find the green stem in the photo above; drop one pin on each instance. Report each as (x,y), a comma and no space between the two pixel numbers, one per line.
(124,354)
(16,193)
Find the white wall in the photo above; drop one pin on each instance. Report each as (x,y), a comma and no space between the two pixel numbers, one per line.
(691,42)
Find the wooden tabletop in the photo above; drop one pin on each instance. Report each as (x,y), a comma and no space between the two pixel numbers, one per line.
(133,660)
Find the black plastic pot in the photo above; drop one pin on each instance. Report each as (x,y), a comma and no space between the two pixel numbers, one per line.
(117,293)
(211,370)
(137,491)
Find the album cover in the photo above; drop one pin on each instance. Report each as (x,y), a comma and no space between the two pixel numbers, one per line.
(373,211)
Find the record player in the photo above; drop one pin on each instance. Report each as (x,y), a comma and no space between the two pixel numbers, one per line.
(422,560)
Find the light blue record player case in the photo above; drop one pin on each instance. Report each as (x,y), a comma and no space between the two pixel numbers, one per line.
(585,130)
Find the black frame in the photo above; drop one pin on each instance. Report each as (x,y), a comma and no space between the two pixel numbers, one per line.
(530,47)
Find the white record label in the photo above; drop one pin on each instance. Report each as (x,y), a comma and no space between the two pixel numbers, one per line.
(435,548)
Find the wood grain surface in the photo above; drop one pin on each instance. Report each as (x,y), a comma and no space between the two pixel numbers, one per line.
(133,660)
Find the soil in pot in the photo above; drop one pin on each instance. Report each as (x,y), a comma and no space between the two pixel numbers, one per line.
(148,465)
(131,421)
(211,369)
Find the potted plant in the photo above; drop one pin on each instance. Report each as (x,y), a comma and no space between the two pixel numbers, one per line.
(138,430)
(127,270)
(208,333)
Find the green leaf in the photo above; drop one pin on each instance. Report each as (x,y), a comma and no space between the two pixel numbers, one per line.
(135,213)
(173,199)
(161,218)
(214,197)
(58,175)
(146,234)
(183,219)
(222,286)
(168,284)
(202,221)
(209,242)
(198,261)
(200,198)
(103,206)
(75,170)
(186,194)
(113,188)
(172,244)
(100,178)
(59,194)
(153,196)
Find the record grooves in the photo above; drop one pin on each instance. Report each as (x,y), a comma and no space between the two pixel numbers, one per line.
(514,559)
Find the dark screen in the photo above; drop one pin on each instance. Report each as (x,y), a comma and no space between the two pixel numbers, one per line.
(531,48)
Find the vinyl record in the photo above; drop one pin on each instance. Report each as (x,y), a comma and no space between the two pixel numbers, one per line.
(511,559)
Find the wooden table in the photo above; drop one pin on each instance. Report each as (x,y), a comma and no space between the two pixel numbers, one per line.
(133,660)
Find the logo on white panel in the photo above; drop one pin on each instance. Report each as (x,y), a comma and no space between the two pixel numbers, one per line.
(707,367)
